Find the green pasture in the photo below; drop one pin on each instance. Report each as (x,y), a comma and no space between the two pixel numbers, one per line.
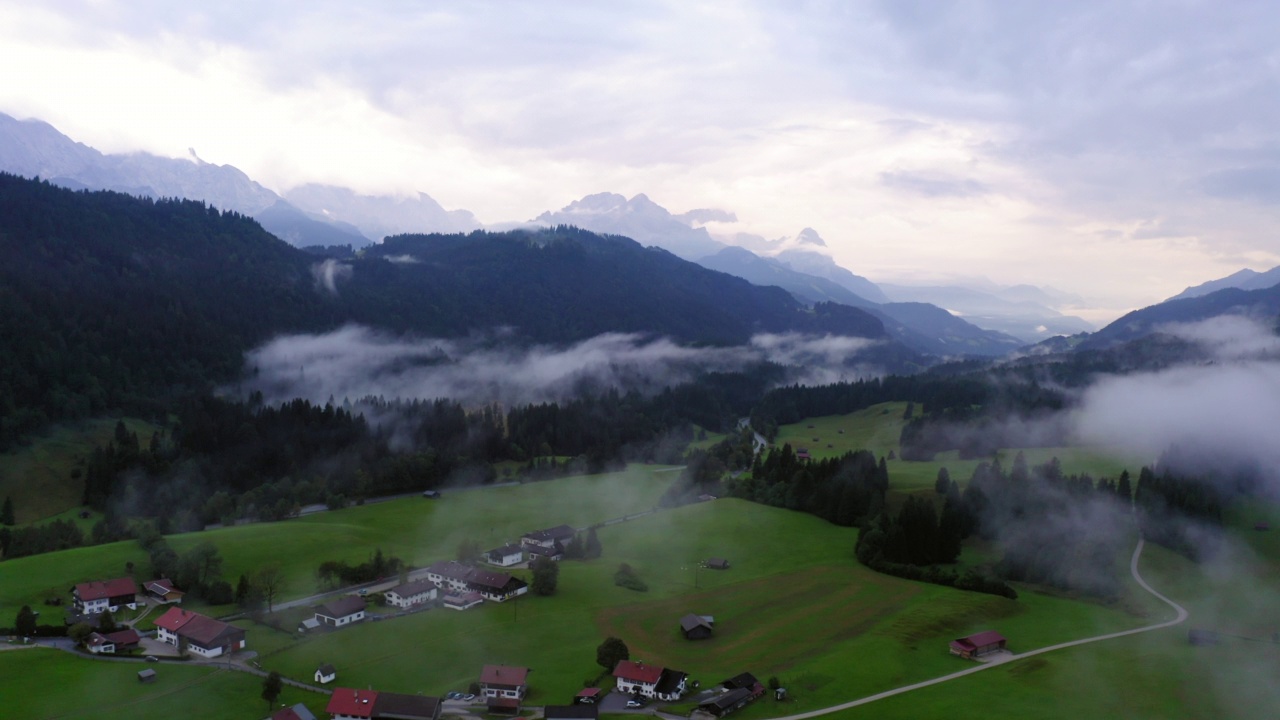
(38,477)
(418,530)
(42,683)
(793,604)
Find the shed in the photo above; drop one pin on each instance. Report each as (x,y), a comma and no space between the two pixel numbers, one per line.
(146,676)
(587,696)
(326,673)
(695,627)
(716,564)
(979,644)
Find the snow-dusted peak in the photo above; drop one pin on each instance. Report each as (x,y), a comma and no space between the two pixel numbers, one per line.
(809,236)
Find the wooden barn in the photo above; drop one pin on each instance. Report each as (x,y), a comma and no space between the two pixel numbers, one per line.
(975,646)
(695,627)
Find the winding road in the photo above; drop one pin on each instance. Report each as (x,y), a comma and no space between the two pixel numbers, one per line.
(1133,570)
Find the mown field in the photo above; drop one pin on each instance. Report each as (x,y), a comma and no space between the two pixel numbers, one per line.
(42,683)
(41,477)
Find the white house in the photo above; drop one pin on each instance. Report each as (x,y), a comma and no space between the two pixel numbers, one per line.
(548,538)
(497,586)
(503,687)
(341,612)
(101,595)
(506,556)
(462,601)
(651,681)
(450,575)
(412,593)
(202,635)
(326,673)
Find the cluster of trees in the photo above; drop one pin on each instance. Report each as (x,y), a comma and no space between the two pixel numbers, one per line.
(198,571)
(35,539)
(843,490)
(579,549)
(336,573)
(546,576)
(627,577)
(1180,511)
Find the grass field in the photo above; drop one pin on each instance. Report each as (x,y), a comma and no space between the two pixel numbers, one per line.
(41,683)
(417,530)
(38,477)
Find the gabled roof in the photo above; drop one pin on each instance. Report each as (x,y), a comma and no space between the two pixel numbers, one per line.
(669,681)
(326,669)
(174,618)
(506,550)
(503,675)
(451,569)
(742,680)
(128,636)
(588,692)
(397,705)
(413,588)
(493,580)
(356,703)
(297,712)
(163,586)
(977,640)
(555,549)
(637,672)
(206,631)
(727,700)
(557,533)
(342,607)
(100,589)
(692,622)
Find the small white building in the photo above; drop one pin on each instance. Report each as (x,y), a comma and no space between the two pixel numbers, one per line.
(463,600)
(450,575)
(326,673)
(505,556)
(410,594)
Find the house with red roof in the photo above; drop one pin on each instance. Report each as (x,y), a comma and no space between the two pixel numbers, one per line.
(297,712)
(119,641)
(503,687)
(651,681)
(975,646)
(201,635)
(102,595)
(351,704)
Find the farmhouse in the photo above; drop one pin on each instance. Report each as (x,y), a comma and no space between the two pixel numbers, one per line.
(554,552)
(202,635)
(449,573)
(636,678)
(462,601)
(505,556)
(503,687)
(975,646)
(412,593)
(571,712)
(695,627)
(163,591)
(326,673)
(549,538)
(114,642)
(343,611)
(100,595)
(349,704)
(727,702)
(495,586)
(716,564)
(297,712)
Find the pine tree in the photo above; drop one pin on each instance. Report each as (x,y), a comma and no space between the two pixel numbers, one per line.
(546,575)
(594,548)
(6,513)
(272,685)
(1123,489)
(25,623)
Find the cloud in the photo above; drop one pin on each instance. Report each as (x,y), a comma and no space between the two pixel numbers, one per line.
(933,185)
(356,362)
(1227,409)
(326,275)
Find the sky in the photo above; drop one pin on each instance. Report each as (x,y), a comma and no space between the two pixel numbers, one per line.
(1119,150)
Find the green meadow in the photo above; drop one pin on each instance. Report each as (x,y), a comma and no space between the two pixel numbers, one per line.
(43,478)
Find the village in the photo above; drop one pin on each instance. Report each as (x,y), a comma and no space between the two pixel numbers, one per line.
(500,690)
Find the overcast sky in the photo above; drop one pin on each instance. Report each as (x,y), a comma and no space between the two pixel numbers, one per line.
(1122,150)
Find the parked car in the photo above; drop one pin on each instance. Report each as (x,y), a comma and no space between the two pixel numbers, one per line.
(362,592)
(453,695)
(152,658)
(468,697)
(634,703)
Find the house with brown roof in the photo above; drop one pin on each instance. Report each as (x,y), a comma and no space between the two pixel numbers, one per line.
(163,591)
(450,574)
(977,645)
(503,687)
(297,712)
(351,704)
(549,538)
(695,627)
(101,595)
(496,586)
(505,556)
(411,593)
(651,681)
(462,600)
(344,611)
(119,641)
(201,635)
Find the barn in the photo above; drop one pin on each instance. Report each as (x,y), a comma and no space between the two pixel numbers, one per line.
(695,627)
(975,646)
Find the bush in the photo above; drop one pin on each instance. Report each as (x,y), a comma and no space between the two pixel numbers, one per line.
(626,577)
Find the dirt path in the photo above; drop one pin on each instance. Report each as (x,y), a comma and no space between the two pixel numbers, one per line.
(1133,570)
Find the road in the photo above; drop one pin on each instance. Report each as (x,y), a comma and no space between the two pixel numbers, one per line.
(1133,570)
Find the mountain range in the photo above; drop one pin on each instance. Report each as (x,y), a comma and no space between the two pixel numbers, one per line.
(1243,280)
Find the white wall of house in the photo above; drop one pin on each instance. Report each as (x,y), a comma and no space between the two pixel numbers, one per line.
(631,687)
(404,602)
